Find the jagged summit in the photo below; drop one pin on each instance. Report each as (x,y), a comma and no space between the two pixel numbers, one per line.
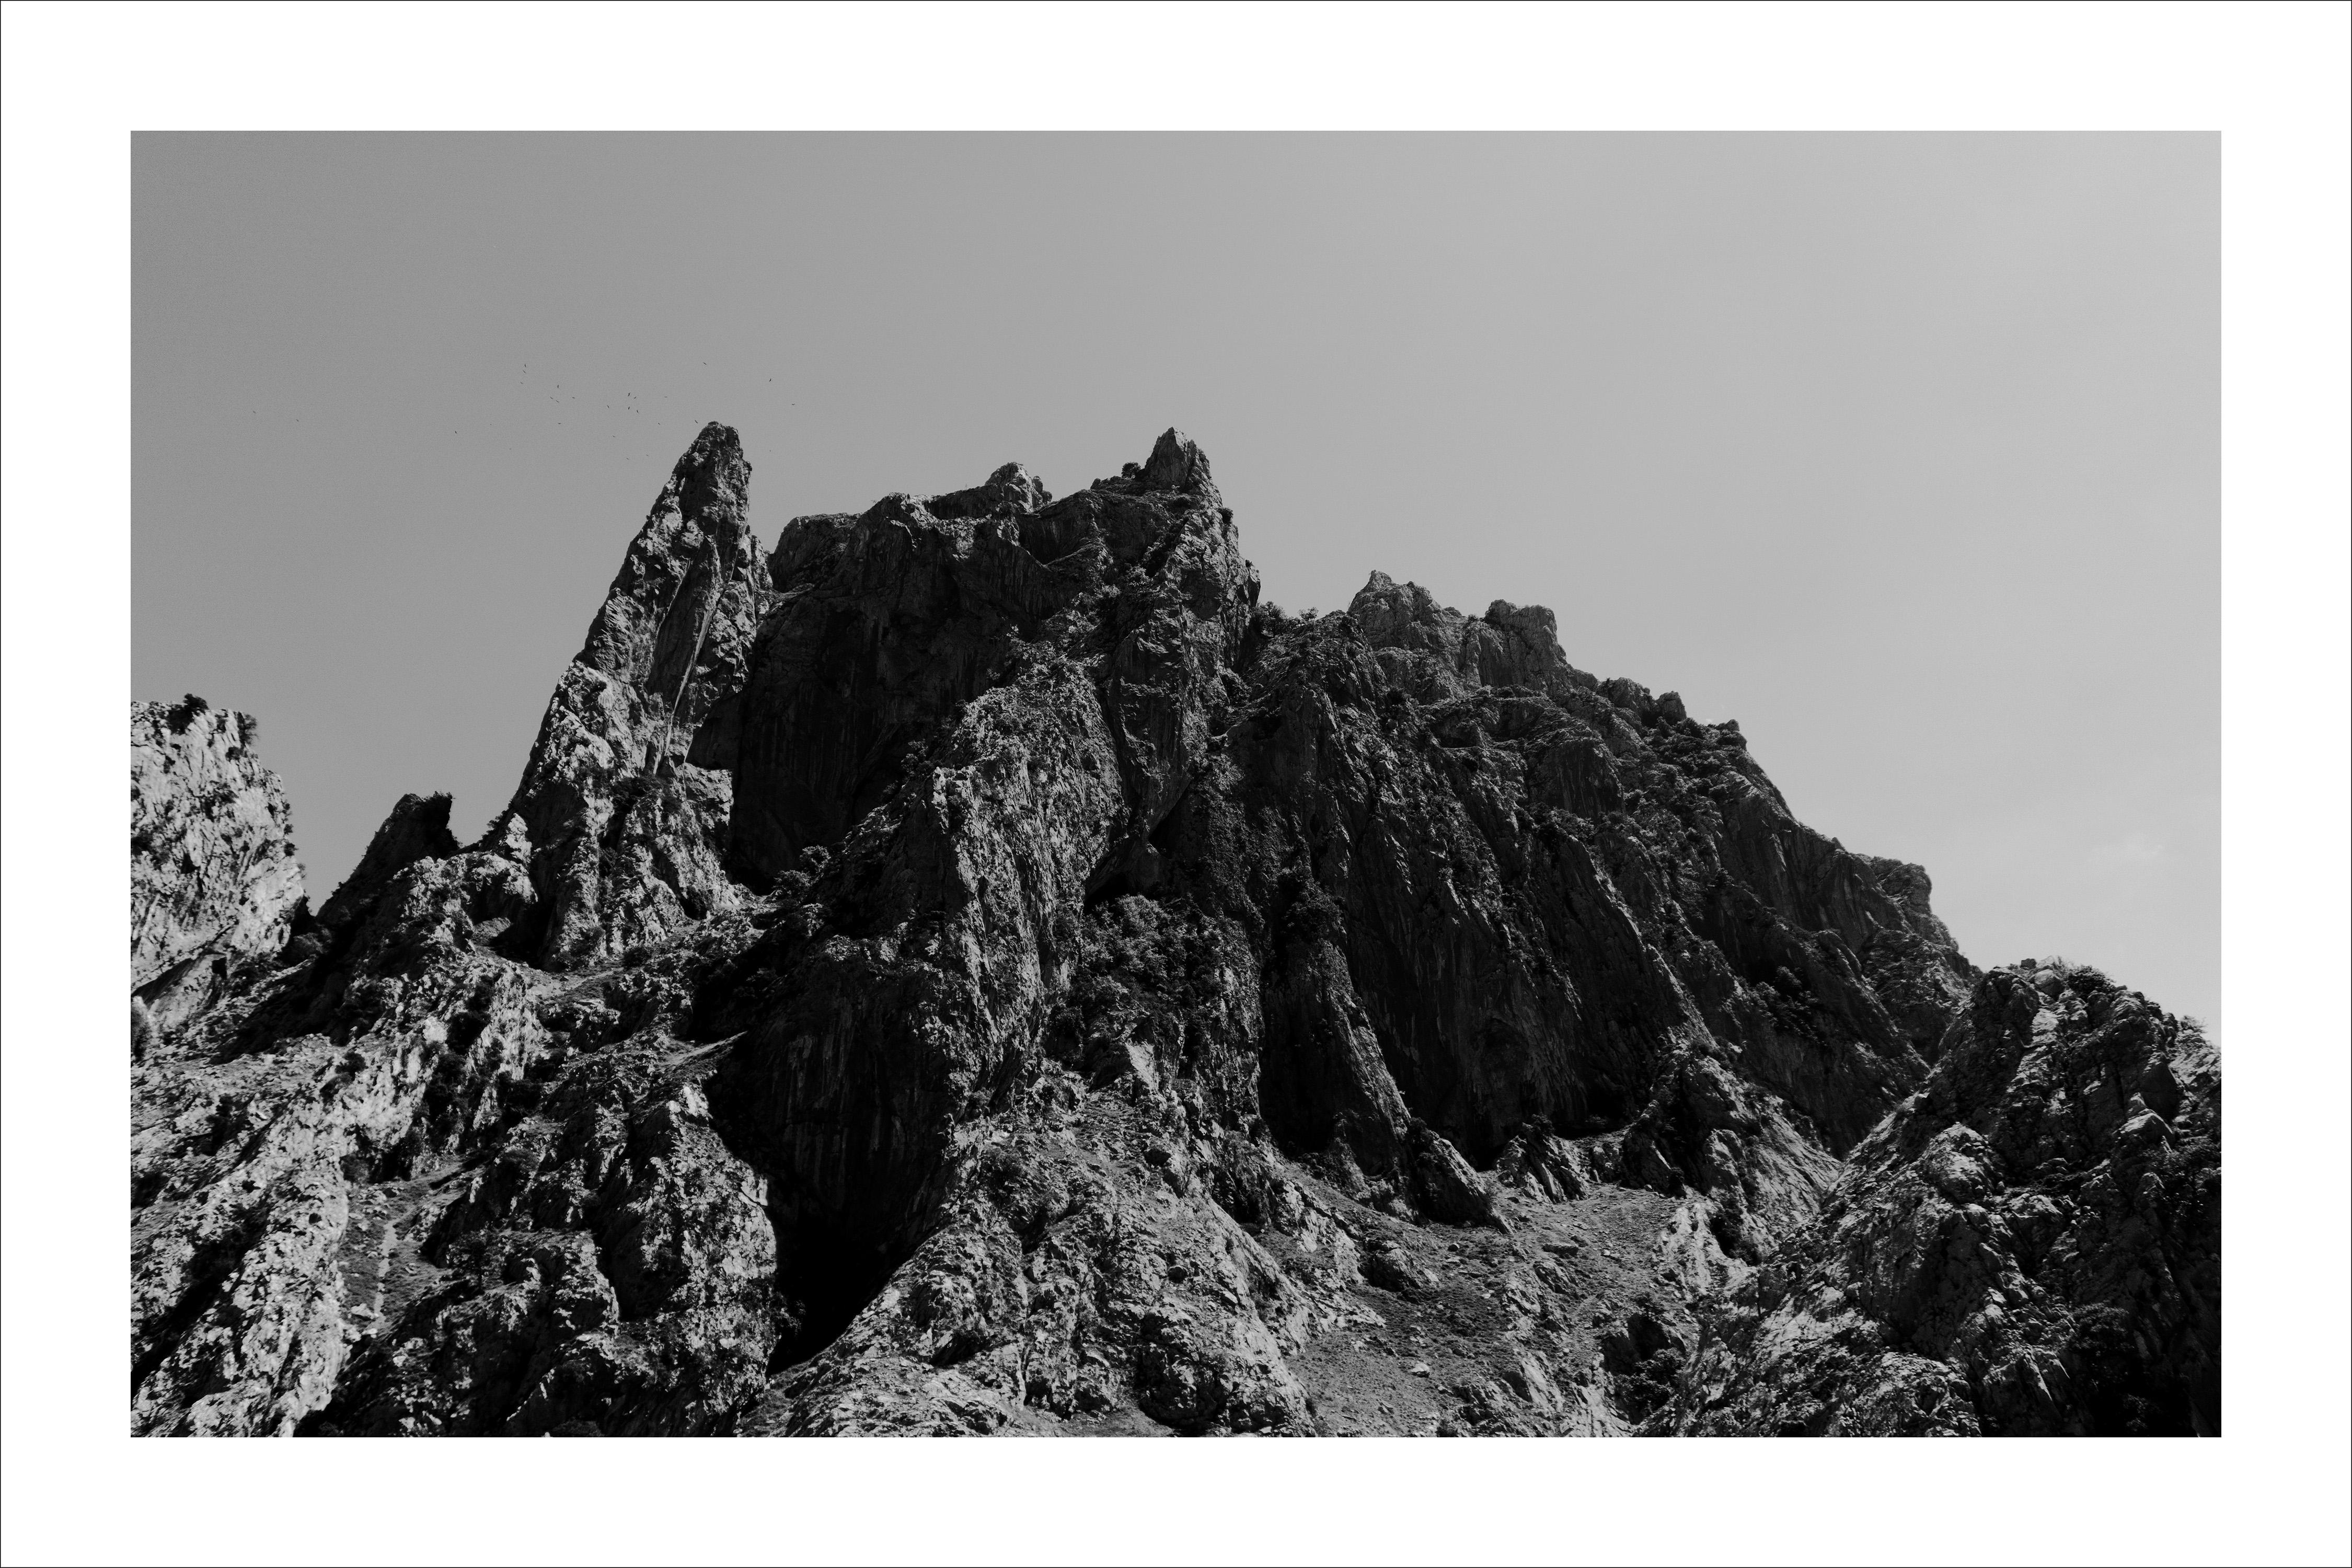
(697,538)
(1508,646)
(971,967)
(1011,490)
(1177,463)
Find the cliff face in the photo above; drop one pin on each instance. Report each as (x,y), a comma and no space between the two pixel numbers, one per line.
(622,812)
(214,880)
(976,968)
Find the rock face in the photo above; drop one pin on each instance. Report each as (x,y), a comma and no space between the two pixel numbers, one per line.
(622,812)
(214,880)
(976,968)
(2030,1246)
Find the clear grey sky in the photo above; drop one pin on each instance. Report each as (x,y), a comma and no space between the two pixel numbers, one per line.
(1902,450)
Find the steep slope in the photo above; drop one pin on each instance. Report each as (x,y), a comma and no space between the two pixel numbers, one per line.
(621,811)
(976,968)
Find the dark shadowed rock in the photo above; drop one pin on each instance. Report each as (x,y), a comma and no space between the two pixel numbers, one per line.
(418,829)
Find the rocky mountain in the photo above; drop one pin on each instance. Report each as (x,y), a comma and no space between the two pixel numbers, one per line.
(974,967)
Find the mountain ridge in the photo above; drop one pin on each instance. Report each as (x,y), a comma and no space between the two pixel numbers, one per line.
(974,967)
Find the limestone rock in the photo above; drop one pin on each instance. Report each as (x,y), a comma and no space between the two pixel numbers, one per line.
(213,877)
(2030,1246)
(624,801)
(418,829)
(974,968)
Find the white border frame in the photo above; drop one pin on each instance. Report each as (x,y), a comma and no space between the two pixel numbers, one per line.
(2272,79)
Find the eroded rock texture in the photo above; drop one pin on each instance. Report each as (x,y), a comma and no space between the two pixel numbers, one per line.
(213,877)
(974,968)
(622,812)
(2029,1244)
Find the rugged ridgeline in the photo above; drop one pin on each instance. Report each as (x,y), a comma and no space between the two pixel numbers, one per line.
(974,968)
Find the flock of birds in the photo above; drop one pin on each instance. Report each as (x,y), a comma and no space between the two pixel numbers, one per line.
(629,404)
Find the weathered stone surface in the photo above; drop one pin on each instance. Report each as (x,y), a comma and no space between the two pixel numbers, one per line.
(418,829)
(213,877)
(624,800)
(1033,986)
(2030,1246)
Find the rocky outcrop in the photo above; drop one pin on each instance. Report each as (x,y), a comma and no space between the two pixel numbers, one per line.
(278,1143)
(213,877)
(976,968)
(2030,1246)
(621,811)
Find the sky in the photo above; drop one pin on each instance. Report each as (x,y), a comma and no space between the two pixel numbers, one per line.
(1902,450)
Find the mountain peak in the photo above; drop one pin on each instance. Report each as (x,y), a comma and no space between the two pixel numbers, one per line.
(1177,463)
(992,975)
